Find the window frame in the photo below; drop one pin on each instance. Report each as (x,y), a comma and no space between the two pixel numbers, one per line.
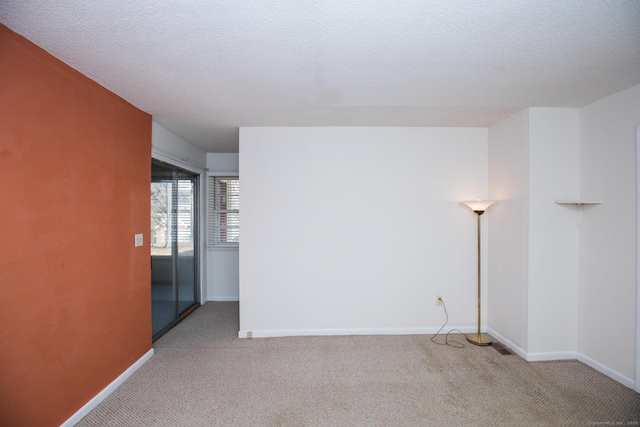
(214,212)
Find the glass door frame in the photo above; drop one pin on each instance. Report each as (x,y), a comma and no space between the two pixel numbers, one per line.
(198,232)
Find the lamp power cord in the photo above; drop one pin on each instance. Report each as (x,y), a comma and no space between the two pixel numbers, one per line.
(447,341)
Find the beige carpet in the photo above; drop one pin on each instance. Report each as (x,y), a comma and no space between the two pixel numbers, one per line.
(203,375)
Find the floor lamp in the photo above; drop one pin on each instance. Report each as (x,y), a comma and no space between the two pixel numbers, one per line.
(479,206)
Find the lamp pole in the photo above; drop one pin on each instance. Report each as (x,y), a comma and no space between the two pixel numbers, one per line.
(478,207)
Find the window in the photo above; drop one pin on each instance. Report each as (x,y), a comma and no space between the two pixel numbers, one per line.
(224,211)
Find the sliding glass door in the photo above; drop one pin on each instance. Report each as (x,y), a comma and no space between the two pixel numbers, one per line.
(174,248)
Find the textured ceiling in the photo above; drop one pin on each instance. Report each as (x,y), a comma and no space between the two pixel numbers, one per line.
(204,68)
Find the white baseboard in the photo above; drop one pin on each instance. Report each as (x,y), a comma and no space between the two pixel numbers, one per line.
(224,298)
(564,355)
(278,333)
(607,371)
(82,412)
(533,357)
(508,343)
(552,355)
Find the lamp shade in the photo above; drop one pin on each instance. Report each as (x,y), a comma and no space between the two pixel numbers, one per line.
(479,205)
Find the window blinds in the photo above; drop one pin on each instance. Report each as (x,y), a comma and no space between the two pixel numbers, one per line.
(224,211)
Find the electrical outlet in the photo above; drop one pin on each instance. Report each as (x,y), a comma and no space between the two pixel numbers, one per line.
(439,301)
(138,240)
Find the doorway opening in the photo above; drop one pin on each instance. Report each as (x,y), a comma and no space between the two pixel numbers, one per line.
(174,245)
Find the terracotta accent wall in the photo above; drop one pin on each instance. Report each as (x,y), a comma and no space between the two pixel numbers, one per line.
(75,163)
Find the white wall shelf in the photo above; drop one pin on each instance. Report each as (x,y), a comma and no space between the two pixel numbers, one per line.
(578,202)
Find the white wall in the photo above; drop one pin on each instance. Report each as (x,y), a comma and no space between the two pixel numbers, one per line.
(563,279)
(170,148)
(177,149)
(357,230)
(553,232)
(509,224)
(607,311)
(223,164)
(223,273)
(533,288)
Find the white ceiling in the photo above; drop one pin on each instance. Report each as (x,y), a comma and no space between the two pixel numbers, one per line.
(204,68)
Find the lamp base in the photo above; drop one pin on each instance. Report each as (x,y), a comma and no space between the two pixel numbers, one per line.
(479,339)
